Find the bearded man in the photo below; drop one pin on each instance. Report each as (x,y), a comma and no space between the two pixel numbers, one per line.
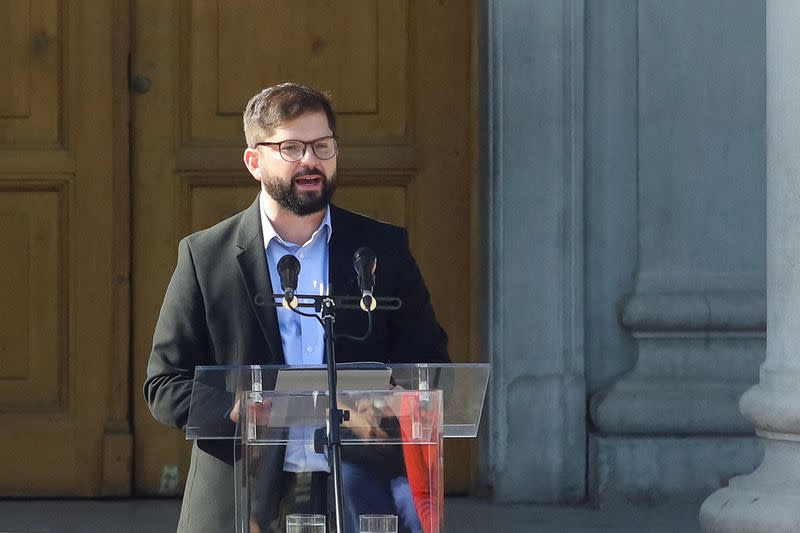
(214,312)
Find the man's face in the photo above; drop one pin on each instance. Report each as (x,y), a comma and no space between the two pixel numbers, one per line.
(302,187)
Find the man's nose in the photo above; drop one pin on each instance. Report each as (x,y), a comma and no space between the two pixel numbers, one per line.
(309,156)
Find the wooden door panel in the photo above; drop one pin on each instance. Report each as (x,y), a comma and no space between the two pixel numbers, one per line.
(32,362)
(401,79)
(356,49)
(211,199)
(31,60)
(316,35)
(385,202)
(63,379)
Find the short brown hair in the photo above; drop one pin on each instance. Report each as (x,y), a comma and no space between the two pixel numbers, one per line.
(278,104)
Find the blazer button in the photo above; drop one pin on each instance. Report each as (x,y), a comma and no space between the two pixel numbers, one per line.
(259,300)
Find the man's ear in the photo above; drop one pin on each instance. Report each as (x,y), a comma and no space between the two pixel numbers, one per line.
(252,162)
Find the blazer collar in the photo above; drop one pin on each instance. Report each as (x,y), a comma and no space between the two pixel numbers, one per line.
(252,260)
(343,242)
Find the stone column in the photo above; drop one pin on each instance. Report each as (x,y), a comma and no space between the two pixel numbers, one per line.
(670,427)
(534,151)
(768,499)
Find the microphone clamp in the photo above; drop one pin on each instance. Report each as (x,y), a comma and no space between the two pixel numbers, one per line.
(290,301)
(368,303)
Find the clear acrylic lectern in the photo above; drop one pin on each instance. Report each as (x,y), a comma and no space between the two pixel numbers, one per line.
(396,418)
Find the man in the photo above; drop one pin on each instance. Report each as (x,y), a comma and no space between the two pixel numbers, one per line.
(214,313)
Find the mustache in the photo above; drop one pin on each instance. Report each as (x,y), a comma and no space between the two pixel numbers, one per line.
(309,172)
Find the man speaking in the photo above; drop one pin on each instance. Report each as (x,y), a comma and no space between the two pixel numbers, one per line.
(214,313)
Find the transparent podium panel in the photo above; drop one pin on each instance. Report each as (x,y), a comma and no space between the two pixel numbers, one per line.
(396,418)
(391,459)
(217,389)
(463,389)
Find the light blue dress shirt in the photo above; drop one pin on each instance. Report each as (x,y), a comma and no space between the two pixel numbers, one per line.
(302,338)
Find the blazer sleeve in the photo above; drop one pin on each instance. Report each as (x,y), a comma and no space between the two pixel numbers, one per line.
(415,334)
(180,342)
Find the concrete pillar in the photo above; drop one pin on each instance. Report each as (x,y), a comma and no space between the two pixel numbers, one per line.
(767,499)
(534,151)
(697,312)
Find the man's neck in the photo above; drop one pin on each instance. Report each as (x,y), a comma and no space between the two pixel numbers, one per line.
(290,227)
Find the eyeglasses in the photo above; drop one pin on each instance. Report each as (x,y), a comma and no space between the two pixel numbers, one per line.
(293,150)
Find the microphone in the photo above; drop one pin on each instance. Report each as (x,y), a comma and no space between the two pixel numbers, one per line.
(288,270)
(365,262)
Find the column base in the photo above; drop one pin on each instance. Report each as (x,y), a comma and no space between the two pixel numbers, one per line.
(648,470)
(667,406)
(763,501)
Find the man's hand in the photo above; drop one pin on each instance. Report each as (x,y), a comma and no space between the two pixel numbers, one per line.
(365,421)
(255,411)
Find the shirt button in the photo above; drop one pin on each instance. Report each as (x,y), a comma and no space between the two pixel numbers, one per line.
(301,255)
(310,349)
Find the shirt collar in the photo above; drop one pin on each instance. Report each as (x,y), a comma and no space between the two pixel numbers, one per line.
(269,230)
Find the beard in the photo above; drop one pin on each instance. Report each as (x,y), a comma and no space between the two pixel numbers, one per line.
(301,203)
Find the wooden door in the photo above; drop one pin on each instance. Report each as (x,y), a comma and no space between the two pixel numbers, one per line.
(401,76)
(64,241)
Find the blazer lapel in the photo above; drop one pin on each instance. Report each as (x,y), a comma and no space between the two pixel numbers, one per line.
(341,275)
(255,275)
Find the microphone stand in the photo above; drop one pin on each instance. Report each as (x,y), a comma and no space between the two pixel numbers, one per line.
(332,440)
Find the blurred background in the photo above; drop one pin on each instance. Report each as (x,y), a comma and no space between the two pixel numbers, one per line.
(583,182)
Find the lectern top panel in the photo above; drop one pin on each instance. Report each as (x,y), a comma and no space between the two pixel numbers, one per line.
(218,388)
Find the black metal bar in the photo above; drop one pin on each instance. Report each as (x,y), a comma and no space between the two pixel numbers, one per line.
(334,415)
(341,302)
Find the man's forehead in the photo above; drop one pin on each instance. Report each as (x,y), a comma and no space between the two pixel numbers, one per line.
(313,125)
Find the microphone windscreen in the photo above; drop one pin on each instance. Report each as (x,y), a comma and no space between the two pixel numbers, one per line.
(288,271)
(364,260)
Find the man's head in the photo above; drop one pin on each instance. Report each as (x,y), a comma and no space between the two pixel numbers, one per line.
(279,104)
(301,175)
